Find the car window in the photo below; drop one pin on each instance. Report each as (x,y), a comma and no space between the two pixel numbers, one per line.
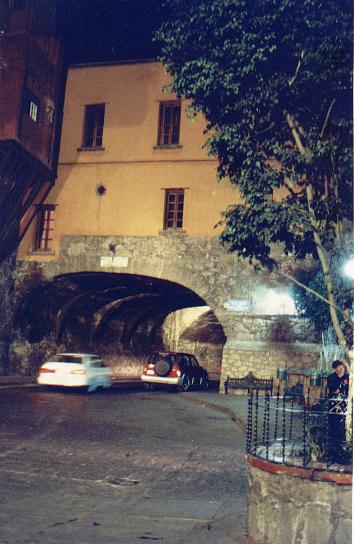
(186,361)
(194,361)
(67,359)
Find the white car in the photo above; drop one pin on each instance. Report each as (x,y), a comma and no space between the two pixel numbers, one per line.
(75,370)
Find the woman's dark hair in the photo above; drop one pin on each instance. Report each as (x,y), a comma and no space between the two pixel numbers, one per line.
(337,363)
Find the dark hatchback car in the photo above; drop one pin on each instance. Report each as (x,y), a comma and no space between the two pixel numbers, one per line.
(180,370)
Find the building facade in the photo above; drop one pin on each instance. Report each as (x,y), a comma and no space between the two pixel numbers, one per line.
(31,84)
(128,236)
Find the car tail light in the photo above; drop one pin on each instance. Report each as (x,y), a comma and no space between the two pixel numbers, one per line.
(46,370)
(175,371)
(149,369)
(80,371)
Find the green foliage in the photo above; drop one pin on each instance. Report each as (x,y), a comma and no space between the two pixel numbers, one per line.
(245,65)
(317,311)
(308,305)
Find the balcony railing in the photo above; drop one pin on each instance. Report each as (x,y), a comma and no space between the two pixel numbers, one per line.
(312,432)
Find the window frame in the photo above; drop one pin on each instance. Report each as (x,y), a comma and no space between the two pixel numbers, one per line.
(97,109)
(162,124)
(44,227)
(175,220)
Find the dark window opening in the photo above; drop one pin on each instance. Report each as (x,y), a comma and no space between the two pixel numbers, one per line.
(45,228)
(31,105)
(174,204)
(169,123)
(93,126)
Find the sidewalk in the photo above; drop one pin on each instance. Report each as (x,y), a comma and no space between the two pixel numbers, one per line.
(234,406)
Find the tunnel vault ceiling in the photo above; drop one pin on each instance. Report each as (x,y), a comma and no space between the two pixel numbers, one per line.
(205,329)
(92,308)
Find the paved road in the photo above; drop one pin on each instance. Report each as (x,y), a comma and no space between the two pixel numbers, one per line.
(124,467)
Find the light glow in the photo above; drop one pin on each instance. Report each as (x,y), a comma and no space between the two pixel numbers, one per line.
(348,268)
(275,303)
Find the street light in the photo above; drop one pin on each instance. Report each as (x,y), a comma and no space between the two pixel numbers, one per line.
(348,268)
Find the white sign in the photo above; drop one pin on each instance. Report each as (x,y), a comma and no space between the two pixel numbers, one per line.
(238,305)
(106,262)
(120,261)
(109,261)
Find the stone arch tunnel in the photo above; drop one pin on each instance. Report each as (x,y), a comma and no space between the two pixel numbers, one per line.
(122,316)
(125,296)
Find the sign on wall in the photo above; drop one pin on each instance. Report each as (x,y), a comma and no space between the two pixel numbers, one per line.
(238,305)
(108,261)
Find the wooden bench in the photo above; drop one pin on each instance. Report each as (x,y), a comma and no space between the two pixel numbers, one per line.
(248,382)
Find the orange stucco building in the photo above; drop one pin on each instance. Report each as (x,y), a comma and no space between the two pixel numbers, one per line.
(120,186)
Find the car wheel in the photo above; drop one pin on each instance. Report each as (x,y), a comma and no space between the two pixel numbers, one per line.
(185,385)
(204,382)
(91,388)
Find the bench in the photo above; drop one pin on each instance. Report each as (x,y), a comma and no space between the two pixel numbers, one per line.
(248,383)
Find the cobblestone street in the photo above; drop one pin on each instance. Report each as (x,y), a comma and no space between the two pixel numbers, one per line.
(119,467)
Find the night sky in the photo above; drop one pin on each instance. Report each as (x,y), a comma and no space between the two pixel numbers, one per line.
(104,30)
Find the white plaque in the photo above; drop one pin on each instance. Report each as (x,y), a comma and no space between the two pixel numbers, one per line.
(238,305)
(106,262)
(120,261)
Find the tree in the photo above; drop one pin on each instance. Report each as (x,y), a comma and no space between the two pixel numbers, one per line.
(315,309)
(273,80)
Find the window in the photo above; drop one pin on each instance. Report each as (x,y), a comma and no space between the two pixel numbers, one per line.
(93,126)
(194,361)
(169,123)
(31,105)
(174,202)
(45,228)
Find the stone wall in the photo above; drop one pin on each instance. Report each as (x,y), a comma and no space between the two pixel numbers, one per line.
(7,281)
(255,341)
(263,359)
(285,508)
(261,344)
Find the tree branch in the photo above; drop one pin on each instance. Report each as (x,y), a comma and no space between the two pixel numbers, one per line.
(345,313)
(301,58)
(296,131)
(291,190)
(327,118)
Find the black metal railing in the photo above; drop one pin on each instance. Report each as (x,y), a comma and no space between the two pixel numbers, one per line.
(311,432)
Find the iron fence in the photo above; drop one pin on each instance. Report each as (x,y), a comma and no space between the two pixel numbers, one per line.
(298,431)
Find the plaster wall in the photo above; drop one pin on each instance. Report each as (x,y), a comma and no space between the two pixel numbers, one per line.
(132,168)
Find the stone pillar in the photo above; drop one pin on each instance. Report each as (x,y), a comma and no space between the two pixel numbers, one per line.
(297,505)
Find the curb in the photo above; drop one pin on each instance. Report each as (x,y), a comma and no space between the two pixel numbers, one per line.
(235,418)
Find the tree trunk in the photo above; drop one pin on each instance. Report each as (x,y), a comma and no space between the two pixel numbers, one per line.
(324,260)
(321,251)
